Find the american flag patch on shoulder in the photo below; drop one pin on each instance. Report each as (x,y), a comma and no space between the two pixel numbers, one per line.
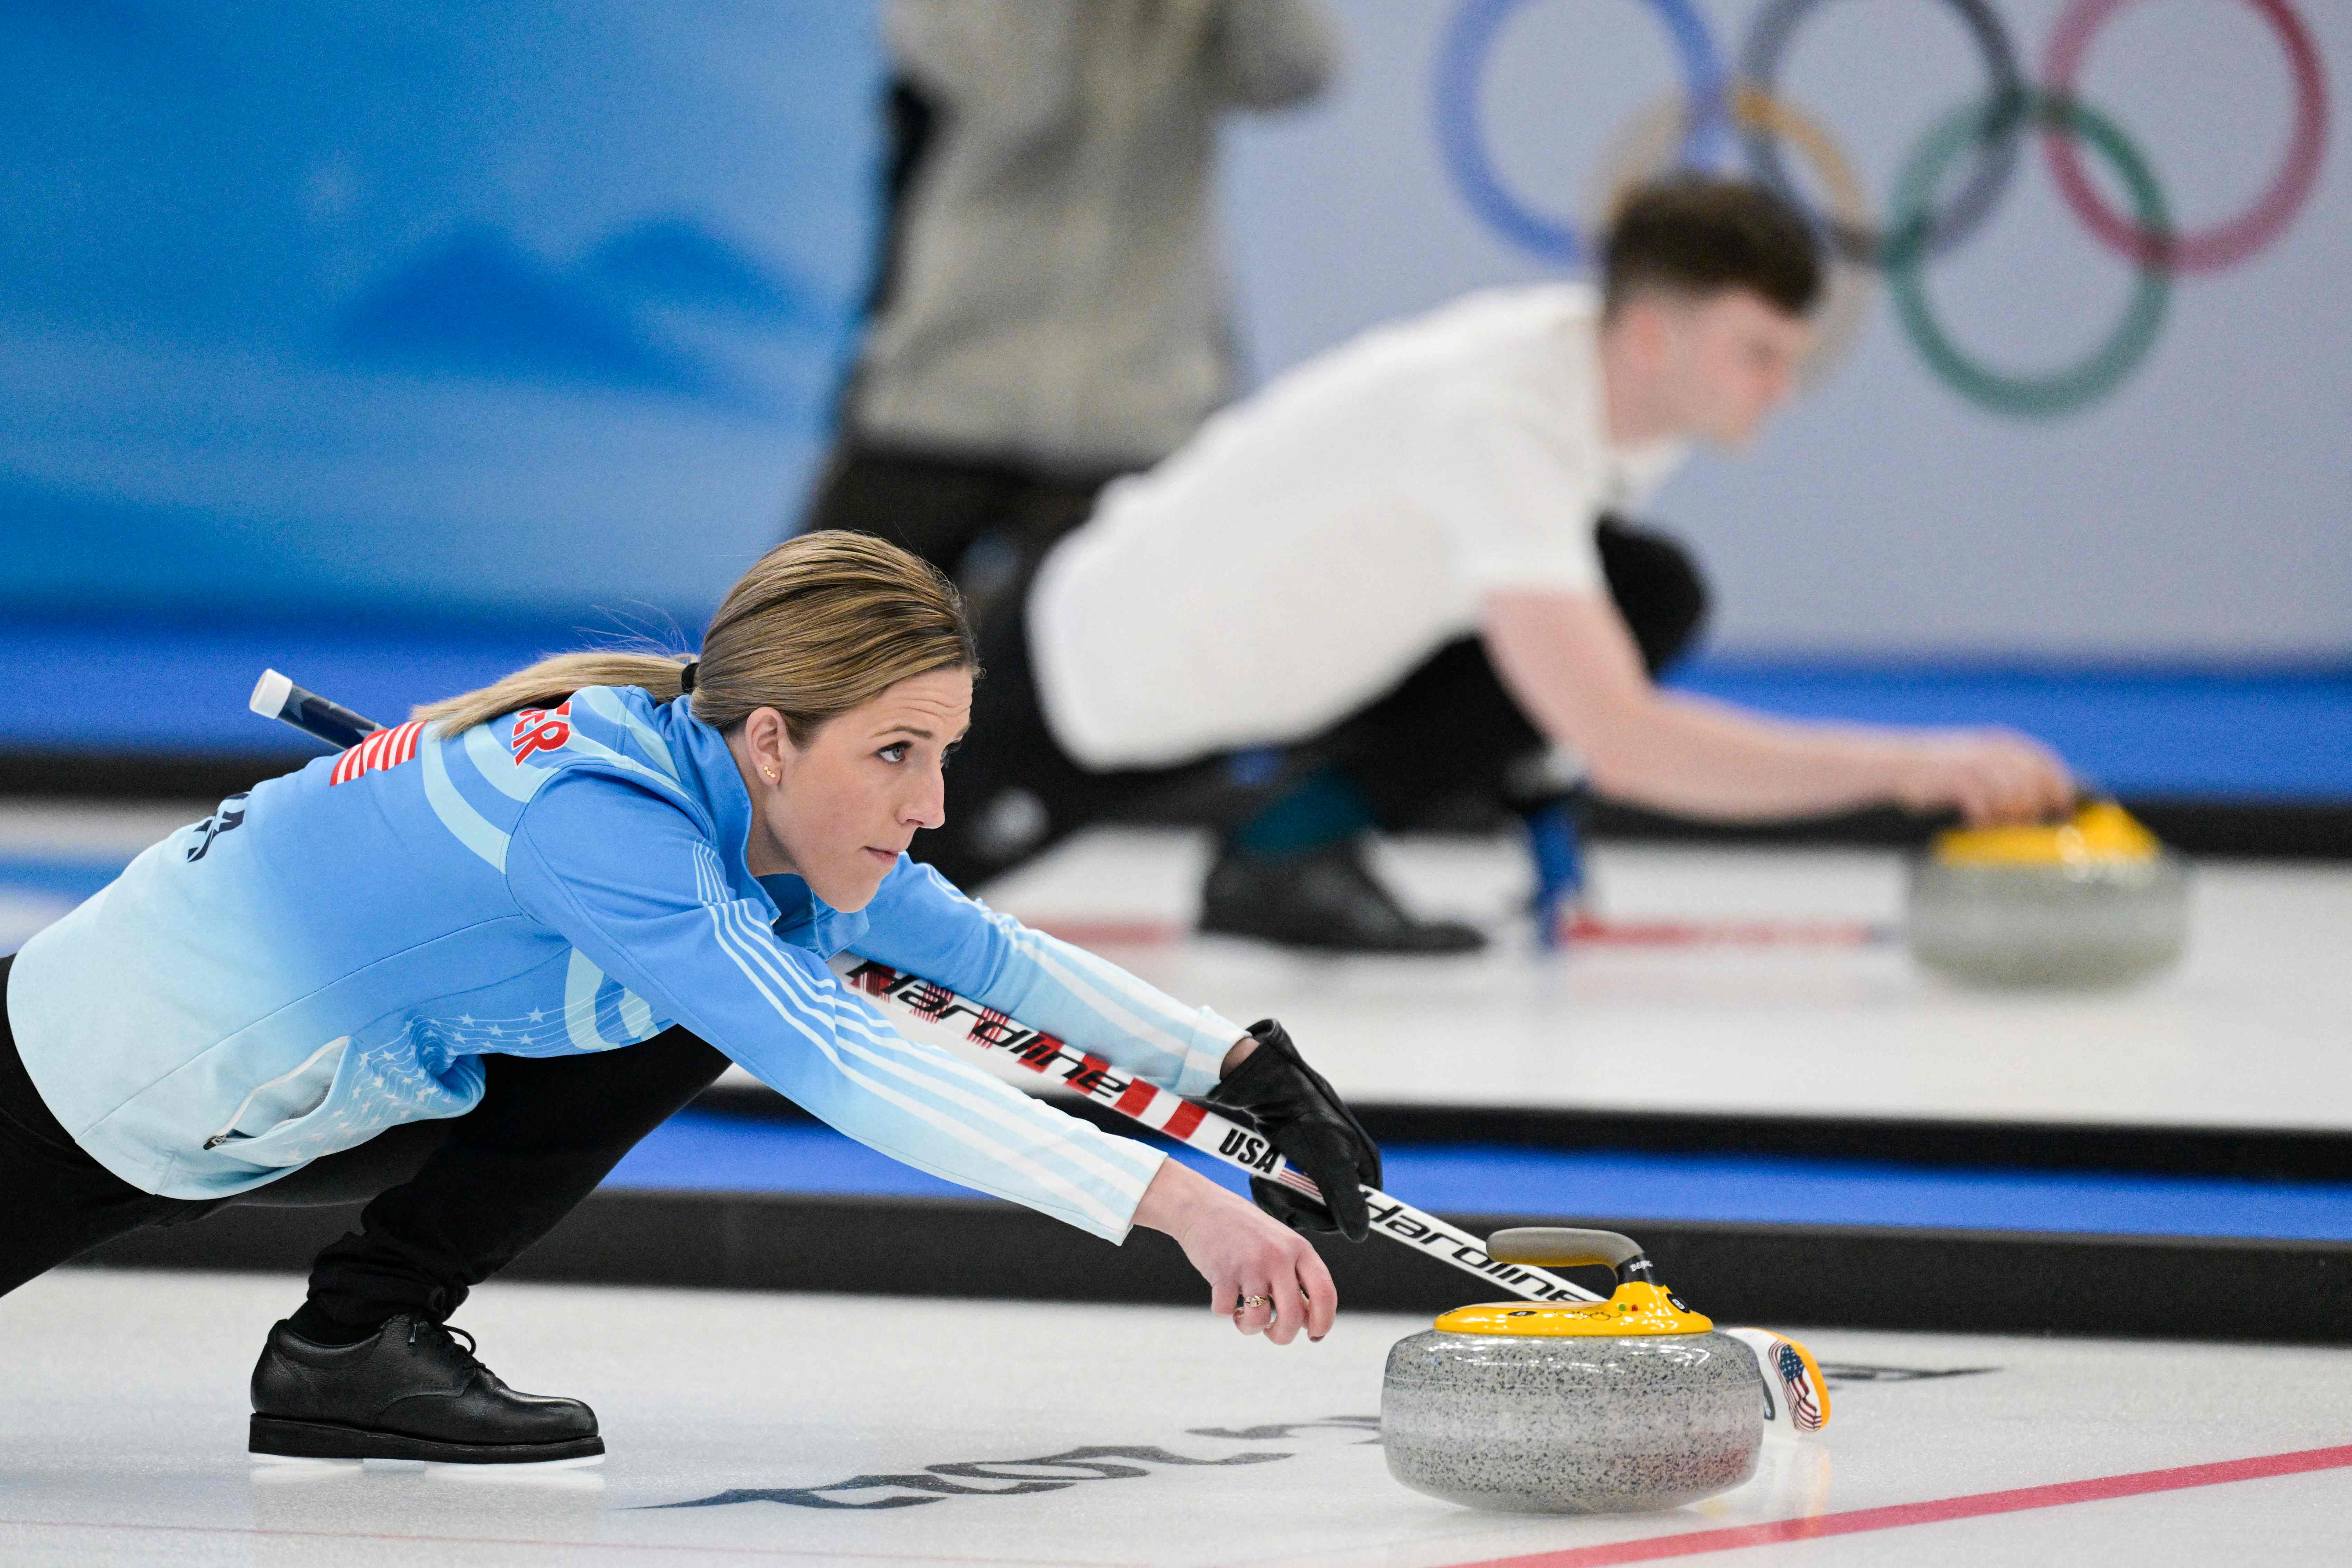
(384,749)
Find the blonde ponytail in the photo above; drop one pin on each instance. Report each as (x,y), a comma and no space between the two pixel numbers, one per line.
(820,624)
(550,681)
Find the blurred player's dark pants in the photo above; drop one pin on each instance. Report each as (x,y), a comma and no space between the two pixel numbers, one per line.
(1446,736)
(454,1201)
(1657,587)
(986,524)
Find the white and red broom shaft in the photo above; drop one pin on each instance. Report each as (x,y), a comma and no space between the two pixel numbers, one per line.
(921,1009)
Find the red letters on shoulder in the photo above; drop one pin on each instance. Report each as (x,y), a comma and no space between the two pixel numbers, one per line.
(540,730)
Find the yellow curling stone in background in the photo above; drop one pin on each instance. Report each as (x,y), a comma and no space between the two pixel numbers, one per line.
(2092,901)
(1618,1407)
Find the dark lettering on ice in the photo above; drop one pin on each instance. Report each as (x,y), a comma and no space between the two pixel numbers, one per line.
(1011,1478)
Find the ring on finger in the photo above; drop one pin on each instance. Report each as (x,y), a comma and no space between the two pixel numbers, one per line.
(1247,1302)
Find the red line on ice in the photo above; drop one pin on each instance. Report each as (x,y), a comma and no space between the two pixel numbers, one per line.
(1974,1506)
(1112,932)
(1582,929)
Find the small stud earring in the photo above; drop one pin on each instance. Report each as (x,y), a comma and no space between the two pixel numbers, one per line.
(772,774)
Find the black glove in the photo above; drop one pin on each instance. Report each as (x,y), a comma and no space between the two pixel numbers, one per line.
(1276,1093)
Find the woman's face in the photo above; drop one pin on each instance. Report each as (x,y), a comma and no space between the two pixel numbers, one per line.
(836,812)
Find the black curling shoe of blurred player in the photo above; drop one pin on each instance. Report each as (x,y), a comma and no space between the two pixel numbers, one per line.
(1325,899)
(409,1391)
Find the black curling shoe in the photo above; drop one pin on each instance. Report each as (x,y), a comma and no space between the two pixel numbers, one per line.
(411,1391)
(1327,900)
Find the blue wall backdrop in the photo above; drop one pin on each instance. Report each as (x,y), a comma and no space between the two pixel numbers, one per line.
(395,343)
(415,308)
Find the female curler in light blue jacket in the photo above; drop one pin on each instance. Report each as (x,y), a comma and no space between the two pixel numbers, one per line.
(331,953)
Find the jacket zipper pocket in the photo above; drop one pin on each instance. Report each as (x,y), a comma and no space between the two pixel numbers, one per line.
(229,1130)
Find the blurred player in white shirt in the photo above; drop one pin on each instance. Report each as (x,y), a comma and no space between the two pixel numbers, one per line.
(1387,583)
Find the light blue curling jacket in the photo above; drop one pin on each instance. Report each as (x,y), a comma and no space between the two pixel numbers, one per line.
(332,954)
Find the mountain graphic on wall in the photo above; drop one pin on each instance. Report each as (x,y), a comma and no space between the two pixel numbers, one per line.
(681,262)
(475,303)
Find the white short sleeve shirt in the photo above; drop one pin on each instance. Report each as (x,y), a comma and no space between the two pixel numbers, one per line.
(1313,544)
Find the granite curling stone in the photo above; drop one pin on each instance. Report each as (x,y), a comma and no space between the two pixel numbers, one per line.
(2094,901)
(1627,1406)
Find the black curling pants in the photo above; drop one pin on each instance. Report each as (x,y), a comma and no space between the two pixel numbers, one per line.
(453,1201)
(985,523)
(1448,733)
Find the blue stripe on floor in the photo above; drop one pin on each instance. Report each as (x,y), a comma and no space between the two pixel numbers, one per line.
(36,889)
(2220,732)
(59,876)
(698,1151)
(105,687)
(2199,734)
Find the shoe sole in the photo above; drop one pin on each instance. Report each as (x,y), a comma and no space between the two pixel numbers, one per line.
(324,1440)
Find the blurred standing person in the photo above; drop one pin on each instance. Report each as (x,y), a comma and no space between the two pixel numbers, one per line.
(1049,311)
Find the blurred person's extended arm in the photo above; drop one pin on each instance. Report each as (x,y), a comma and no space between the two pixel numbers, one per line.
(1571,663)
(1270,54)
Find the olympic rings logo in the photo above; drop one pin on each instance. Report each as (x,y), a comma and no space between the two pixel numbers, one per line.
(1946,187)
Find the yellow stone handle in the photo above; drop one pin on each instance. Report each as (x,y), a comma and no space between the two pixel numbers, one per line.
(1558,1246)
(1639,1305)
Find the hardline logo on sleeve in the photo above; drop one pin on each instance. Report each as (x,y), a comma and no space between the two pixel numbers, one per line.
(230,816)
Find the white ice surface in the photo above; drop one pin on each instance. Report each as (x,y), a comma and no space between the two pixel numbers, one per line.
(123,1441)
(2253,1030)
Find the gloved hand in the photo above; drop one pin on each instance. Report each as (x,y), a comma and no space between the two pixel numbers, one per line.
(1276,1093)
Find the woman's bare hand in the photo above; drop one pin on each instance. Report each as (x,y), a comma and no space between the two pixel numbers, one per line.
(1242,1253)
